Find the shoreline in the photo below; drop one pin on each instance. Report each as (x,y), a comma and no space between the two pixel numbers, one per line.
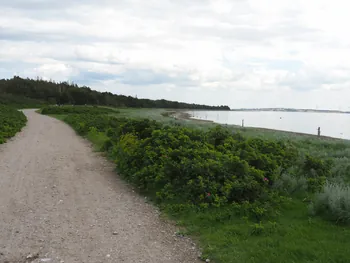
(181,115)
(186,116)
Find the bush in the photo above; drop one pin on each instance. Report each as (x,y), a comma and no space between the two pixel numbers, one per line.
(11,122)
(183,165)
(333,203)
(316,171)
(211,168)
(315,167)
(83,122)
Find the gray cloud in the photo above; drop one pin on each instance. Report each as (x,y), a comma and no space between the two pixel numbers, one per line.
(47,36)
(144,77)
(308,79)
(245,33)
(199,48)
(44,5)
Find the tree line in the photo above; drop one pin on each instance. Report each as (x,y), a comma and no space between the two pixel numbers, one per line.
(62,93)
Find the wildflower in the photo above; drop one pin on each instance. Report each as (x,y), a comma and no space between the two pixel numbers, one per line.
(208,194)
(266,180)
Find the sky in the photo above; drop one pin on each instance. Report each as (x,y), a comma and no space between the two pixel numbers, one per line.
(240,53)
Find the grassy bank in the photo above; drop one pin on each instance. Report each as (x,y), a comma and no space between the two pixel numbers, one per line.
(246,195)
(11,122)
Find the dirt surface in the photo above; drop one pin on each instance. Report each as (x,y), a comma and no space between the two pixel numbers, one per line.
(62,202)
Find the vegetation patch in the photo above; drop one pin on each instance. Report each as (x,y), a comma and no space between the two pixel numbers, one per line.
(11,122)
(20,102)
(89,110)
(245,197)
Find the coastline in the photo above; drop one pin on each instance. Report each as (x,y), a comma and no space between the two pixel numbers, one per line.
(181,115)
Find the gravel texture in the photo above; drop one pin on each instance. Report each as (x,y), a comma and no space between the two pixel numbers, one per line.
(62,202)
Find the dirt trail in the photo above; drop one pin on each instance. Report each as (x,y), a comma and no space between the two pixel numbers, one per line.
(61,202)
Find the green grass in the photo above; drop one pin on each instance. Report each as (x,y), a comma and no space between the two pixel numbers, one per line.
(11,122)
(97,138)
(20,102)
(58,116)
(291,236)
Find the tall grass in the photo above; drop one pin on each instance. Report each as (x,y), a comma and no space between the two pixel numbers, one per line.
(291,184)
(333,203)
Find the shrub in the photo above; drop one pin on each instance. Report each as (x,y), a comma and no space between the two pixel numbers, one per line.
(217,135)
(316,170)
(333,203)
(213,168)
(11,122)
(315,167)
(82,123)
(185,165)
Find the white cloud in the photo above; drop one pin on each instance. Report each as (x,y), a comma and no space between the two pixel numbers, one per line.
(244,53)
(55,71)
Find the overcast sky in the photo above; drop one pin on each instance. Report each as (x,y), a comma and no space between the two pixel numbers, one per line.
(241,53)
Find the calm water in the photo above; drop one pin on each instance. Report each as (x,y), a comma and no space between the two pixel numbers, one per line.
(332,124)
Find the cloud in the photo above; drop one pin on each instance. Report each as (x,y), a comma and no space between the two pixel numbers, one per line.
(244,53)
(144,77)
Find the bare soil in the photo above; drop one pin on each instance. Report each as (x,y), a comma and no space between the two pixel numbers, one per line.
(62,202)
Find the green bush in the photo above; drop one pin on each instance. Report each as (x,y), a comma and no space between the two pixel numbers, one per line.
(316,171)
(179,165)
(333,203)
(83,122)
(11,122)
(176,167)
(183,165)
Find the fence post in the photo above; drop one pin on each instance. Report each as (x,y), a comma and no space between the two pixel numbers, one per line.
(319,131)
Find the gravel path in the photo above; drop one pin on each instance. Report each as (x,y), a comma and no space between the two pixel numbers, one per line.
(61,202)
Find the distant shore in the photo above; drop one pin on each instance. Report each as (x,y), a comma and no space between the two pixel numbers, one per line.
(292,110)
(181,115)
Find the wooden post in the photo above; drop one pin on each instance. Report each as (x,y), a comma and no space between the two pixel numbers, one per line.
(243,123)
(319,131)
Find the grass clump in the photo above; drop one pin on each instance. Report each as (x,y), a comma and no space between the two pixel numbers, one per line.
(291,184)
(333,203)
